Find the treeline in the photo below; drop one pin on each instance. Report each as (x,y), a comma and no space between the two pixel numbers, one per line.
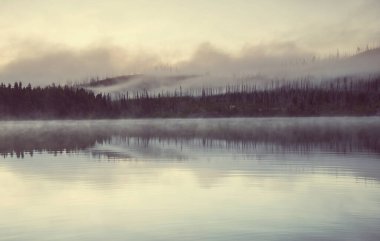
(300,98)
(17,101)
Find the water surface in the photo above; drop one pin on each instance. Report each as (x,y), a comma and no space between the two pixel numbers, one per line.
(194,179)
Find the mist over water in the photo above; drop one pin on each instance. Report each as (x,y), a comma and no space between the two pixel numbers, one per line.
(191,179)
(337,134)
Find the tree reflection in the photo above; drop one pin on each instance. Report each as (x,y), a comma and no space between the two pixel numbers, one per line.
(245,134)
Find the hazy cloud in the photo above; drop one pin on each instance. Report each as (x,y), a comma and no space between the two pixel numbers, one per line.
(64,64)
(43,65)
(208,65)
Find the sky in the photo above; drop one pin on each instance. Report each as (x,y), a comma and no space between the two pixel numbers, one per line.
(110,37)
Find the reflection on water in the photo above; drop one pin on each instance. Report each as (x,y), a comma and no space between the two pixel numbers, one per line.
(329,134)
(215,179)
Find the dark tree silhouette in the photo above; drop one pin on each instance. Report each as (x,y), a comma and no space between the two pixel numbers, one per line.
(299,98)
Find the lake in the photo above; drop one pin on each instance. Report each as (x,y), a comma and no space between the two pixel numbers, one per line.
(191,179)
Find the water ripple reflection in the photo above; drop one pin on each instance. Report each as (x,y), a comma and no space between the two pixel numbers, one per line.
(223,179)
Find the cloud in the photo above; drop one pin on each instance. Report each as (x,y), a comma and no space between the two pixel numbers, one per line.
(43,64)
(251,59)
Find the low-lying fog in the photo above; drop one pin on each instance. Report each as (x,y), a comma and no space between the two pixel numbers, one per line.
(358,132)
(208,66)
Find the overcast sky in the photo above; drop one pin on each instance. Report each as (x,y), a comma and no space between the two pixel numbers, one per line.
(173,30)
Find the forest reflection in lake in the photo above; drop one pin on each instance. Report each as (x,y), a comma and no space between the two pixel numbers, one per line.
(194,179)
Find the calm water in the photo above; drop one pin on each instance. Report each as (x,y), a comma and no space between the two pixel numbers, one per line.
(213,179)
